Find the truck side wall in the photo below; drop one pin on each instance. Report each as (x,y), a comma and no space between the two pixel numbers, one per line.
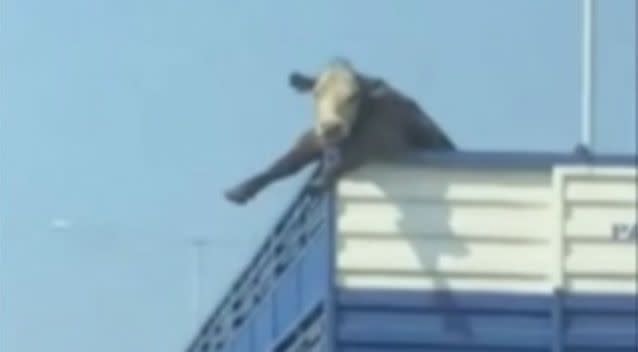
(597,265)
(466,252)
(279,300)
(483,258)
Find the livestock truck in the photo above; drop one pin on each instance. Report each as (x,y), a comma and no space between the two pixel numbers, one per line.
(468,251)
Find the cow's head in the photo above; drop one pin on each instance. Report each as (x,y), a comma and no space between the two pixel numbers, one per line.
(337,94)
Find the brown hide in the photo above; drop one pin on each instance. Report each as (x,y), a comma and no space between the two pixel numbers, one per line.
(387,125)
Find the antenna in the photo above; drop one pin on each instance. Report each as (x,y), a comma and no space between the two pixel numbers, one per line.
(198,245)
(587,97)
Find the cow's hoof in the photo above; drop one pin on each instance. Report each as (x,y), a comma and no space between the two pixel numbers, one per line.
(237,196)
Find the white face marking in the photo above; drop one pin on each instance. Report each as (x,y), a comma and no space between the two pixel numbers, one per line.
(336,95)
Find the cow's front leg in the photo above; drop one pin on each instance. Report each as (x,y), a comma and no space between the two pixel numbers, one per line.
(337,161)
(305,150)
(331,162)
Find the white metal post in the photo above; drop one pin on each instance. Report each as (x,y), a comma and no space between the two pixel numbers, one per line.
(587,96)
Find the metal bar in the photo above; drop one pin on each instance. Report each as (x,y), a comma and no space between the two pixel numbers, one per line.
(332,286)
(587,96)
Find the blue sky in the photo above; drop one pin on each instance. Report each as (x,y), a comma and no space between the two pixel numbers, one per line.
(123,121)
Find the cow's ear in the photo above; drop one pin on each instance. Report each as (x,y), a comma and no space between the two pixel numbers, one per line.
(301,82)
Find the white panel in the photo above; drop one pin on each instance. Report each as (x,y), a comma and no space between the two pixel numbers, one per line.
(590,189)
(422,255)
(404,217)
(592,229)
(390,281)
(596,222)
(396,182)
(417,227)
(581,216)
(594,201)
(504,230)
(625,285)
(601,258)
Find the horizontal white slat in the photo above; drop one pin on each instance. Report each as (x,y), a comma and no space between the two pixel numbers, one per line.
(600,213)
(596,221)
(589,230)
(422,218)
(380,172)
(601,285)
(380,281)
(440,184)
(468,192)
(601,258)
(420,255)
(623,190)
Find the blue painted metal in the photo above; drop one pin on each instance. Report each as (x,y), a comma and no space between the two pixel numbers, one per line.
(397,321)
(298,268)
(600,322)
(288,336)
(558,324)
(283,303)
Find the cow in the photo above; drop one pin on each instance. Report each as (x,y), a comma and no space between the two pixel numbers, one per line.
(357,119)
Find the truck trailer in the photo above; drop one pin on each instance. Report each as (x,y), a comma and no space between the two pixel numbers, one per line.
(463,251)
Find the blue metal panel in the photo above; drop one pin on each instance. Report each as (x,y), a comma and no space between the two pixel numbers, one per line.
(293,264)
(602,303)
(444,320)
(299,329)
(394,320)
(282,309)
(459,301)
(243,341)
(601,322)
(263,324)
(314,269)
(286,300)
